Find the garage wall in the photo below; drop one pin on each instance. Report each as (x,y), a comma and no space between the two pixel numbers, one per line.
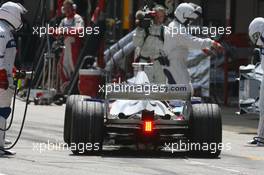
(260,6)
(215,12)
(32,7)
(245,11)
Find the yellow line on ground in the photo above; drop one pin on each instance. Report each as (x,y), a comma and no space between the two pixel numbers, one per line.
(255,158)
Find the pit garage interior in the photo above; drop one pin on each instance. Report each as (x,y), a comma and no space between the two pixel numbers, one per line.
(119,18)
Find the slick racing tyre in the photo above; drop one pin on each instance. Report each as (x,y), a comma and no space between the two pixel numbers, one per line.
(68,115)
(205,131)
(87,128)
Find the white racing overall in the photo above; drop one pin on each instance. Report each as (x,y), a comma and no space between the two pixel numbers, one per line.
(7,58)
(261,101)
(177,45)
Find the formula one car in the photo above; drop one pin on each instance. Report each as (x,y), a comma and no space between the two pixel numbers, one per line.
(138,112)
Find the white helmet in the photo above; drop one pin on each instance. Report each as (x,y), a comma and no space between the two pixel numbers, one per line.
(11,12)
(186,12)
(256,31)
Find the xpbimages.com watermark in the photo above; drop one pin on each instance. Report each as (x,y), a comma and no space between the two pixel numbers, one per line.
(80,31)
(196,30)
(190,146)
(80,147)
(145,89)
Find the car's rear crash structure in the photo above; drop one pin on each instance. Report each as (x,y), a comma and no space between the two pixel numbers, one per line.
(249,86)
(139,118)
(250,78)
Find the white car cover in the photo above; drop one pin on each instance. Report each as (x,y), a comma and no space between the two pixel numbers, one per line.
(130,107)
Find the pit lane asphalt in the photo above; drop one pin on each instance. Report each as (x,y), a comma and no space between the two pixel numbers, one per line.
(45,124)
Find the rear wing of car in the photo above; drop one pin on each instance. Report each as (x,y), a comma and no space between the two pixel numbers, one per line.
(124,91)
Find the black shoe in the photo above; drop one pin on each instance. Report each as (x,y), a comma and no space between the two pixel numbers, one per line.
(252,142)
(7,153)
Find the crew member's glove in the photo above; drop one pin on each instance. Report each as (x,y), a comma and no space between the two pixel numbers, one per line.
(20,75)
(217,47)
(3,79)
(209,52)
(164,61)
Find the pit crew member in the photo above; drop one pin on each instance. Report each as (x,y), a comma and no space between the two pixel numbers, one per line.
(178,42)
(256,35)
(10,21)
(149,39)
(73,24)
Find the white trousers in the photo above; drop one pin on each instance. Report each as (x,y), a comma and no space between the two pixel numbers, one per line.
(261,107)
(6,97)
(5,101)
(2,133)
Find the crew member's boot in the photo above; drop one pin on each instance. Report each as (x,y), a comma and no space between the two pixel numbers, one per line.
(261,131)
(2,139)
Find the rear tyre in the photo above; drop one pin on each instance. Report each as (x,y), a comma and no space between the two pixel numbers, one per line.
(71,100)
(205,130)
(87,127)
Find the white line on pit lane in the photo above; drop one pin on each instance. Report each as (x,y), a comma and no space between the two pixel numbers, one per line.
(2,174)
(212,166)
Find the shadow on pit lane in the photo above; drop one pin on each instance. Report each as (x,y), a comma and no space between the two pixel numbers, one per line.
(128,153)
(158,154)
(247,133)
(7,155)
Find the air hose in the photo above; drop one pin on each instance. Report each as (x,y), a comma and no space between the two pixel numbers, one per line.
(28,94)
(13,107)
(24,116)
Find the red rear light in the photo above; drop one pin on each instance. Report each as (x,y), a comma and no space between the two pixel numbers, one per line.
(148,118)
(148,126)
